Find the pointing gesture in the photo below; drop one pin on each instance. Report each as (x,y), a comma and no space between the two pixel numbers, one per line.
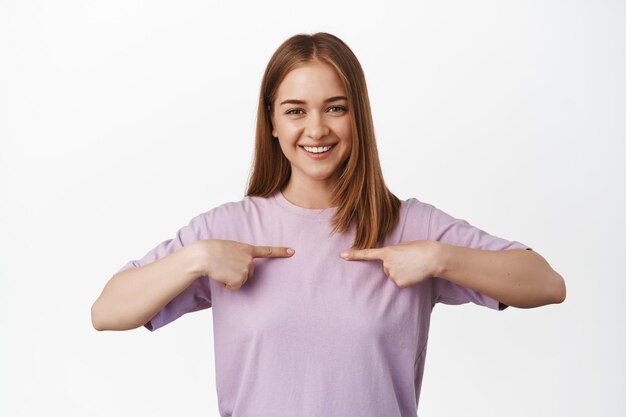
(269,251)
(230,262)
(405,264)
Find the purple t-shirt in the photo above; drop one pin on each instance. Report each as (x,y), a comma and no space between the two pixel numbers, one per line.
(313,334)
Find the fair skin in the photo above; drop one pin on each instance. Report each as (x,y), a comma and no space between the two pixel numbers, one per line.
(515,277)
(304,115)
(519,278)
(311,108)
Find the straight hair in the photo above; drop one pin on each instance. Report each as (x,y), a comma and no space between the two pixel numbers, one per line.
(360,193)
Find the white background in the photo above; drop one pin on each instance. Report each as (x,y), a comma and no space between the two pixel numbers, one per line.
(121,120)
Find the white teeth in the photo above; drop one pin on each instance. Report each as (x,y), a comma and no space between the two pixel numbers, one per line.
(317,150)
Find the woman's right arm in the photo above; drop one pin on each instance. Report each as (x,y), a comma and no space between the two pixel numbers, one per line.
(133,296)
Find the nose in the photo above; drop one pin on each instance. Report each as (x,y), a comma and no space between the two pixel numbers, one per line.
(316,127)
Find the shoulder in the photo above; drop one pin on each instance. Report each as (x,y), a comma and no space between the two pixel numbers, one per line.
(243,210)
(429,219)
(416,206)
(414,218)
(417,211)
(242,207)
(430,212)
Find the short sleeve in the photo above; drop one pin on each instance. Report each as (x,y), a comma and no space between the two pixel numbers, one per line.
(448,229)
(197,296)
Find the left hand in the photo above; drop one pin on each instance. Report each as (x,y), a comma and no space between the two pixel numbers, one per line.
(406,263)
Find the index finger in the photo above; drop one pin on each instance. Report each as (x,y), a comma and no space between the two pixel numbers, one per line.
(270,251)
(364,254)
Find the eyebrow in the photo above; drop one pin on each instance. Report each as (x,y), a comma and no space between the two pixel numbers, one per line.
(328,100)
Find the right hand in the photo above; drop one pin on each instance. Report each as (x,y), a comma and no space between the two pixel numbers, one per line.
(230,262)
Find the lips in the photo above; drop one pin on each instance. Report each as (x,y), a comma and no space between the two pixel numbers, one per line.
(319,153)
(317,146)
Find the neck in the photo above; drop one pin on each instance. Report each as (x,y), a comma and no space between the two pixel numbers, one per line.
(316,195)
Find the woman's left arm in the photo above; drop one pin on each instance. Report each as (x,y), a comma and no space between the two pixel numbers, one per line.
(515,277)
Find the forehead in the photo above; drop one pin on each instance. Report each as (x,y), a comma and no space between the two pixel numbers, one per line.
(313,80)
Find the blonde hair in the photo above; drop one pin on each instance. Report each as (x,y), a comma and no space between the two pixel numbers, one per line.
(360,193)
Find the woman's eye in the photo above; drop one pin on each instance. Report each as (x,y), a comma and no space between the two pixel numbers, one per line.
(338,109)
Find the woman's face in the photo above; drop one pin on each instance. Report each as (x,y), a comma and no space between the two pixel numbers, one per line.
(311,109)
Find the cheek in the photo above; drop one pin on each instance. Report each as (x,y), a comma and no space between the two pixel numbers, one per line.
(344,129)
(289,131)
(287,145)
(346,136)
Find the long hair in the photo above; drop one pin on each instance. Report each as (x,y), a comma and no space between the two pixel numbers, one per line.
(360,193)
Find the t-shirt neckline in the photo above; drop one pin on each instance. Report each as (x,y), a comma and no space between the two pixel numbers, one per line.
(321,214)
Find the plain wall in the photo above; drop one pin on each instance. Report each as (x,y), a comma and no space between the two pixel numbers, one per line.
(121,120)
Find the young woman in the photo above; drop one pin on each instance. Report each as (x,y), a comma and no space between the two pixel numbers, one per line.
(314,332)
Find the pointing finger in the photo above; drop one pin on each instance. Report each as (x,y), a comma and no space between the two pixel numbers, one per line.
(362,254)
(271,251)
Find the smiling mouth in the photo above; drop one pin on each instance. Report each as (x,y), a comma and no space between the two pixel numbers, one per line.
(319,153)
